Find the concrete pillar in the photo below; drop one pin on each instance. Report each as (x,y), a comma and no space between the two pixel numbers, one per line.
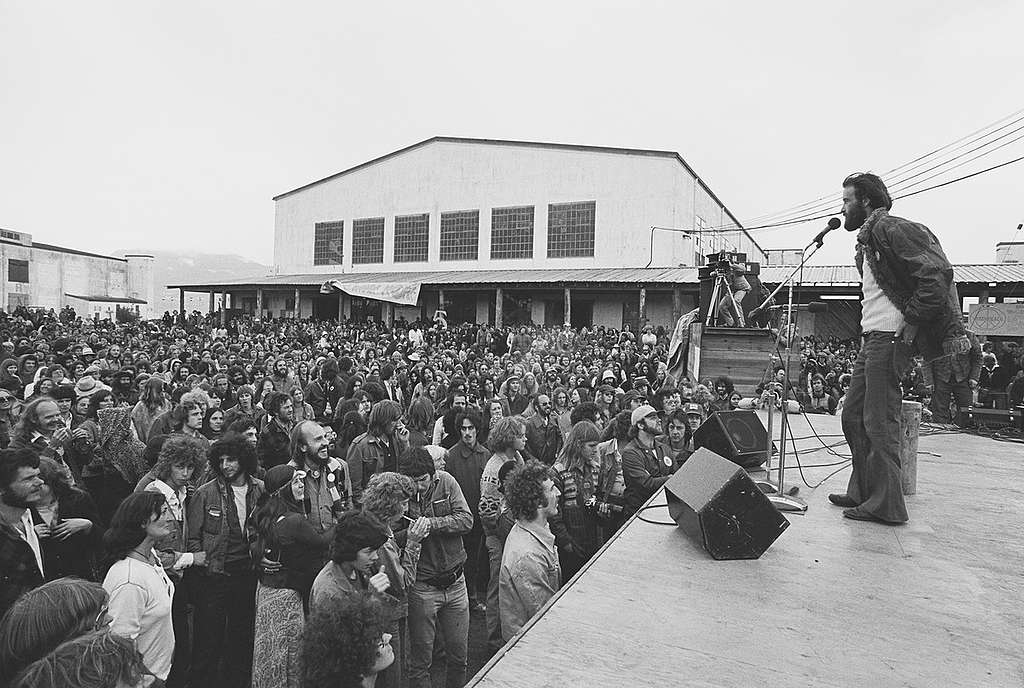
(341,307)
(213,302)
(983,296)
(223,308)
(499,301)
(346,306)
(297,309)
(259,302)
(642,311)
(567,320)
(389,314)
(181,306)
(677,305)
(440,299)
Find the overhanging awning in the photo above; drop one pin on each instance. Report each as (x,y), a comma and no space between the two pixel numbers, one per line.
(402,293)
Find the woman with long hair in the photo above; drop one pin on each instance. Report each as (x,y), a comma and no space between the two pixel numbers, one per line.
(213,424)
(302,410)
(285,536)
(99,659)
(420,421)
(68,521)
(179,459)
(352,426)
(43,618)
(152,402)
(140,592)
(560,410)
(576,473)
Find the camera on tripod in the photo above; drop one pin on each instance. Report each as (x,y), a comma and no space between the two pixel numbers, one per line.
(726,262)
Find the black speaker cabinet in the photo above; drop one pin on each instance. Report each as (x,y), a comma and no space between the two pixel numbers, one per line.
(737,435)
(714,501)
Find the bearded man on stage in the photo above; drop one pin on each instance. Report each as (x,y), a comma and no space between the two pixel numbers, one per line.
(910,306)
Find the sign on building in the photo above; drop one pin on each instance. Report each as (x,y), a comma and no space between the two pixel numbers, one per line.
(1005,319)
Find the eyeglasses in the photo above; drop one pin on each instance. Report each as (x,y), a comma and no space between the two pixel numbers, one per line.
(5,399)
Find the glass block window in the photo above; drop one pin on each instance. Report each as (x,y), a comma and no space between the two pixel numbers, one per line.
(571,229)
(412,237)
(460,235)
(17,270)
(512,232)
(368,240)
(328,239)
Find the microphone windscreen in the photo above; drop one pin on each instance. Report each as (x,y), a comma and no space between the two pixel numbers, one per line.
(834,223)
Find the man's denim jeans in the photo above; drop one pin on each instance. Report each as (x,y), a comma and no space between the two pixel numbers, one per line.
(871,424)
(432,610)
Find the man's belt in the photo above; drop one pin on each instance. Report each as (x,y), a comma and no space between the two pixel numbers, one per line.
(444,580)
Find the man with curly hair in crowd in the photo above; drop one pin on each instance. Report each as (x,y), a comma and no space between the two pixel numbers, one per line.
(530,572)
(344,644)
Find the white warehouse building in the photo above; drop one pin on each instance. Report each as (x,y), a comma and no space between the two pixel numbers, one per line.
(495,231)
(40,275)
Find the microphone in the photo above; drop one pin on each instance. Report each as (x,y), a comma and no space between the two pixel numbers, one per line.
(834,223)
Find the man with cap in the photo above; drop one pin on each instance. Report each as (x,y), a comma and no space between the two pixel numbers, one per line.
(646,466)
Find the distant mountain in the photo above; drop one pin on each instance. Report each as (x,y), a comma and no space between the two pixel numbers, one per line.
(178,267)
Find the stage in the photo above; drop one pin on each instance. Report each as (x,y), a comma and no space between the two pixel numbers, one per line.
(834,602)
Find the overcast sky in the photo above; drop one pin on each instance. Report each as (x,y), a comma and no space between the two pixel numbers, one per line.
(171,125)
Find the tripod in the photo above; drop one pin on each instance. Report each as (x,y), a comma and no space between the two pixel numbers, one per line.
(722,286)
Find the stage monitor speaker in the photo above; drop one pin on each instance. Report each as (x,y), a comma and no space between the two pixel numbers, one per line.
(714,501)
(737,435)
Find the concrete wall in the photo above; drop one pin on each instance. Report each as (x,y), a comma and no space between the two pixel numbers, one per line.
(632,192)
(53,273)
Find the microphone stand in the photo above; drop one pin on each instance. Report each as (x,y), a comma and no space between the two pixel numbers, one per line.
(776,493)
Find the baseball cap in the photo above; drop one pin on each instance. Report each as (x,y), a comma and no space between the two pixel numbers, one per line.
(641,412)
(693,408)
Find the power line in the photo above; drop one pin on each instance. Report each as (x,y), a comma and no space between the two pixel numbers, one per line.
(809,205)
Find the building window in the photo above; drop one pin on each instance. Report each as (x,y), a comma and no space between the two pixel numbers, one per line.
(571,229)
(412,238)
(460,235)
(328,240)
(512,233)
(17,270)
(368,240)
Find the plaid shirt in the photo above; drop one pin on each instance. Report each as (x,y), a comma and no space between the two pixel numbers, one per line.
(19,571)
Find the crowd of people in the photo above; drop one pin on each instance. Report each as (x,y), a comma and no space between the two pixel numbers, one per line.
(300,503)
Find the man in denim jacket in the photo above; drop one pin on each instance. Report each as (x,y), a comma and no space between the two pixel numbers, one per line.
(226,589)
(910,305)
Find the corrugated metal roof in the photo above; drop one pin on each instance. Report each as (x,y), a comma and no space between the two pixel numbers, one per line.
(821,275)
(837,275)
(441,277)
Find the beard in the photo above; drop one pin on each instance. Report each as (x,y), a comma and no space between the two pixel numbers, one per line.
(855,217)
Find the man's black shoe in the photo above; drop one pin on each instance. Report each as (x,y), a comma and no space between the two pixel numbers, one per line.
(843,501)
(859,514)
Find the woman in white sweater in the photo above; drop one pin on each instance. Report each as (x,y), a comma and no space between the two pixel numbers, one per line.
(140,592)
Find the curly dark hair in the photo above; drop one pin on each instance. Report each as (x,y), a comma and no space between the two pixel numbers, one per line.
(235,447)
(341,640)
(524,491)
(179,450)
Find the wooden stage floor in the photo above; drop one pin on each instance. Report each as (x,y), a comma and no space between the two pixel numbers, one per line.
(834,602)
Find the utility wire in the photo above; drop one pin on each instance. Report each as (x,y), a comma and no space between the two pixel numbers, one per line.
(968,138)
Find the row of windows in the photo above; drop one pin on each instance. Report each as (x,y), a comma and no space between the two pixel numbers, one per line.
(570,235)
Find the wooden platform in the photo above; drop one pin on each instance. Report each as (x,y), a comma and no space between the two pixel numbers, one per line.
(834,602)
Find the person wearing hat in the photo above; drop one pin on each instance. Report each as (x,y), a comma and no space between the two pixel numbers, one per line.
(646,466)
(87,386)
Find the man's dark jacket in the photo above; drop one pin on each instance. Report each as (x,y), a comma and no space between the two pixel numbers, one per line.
(912,270)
